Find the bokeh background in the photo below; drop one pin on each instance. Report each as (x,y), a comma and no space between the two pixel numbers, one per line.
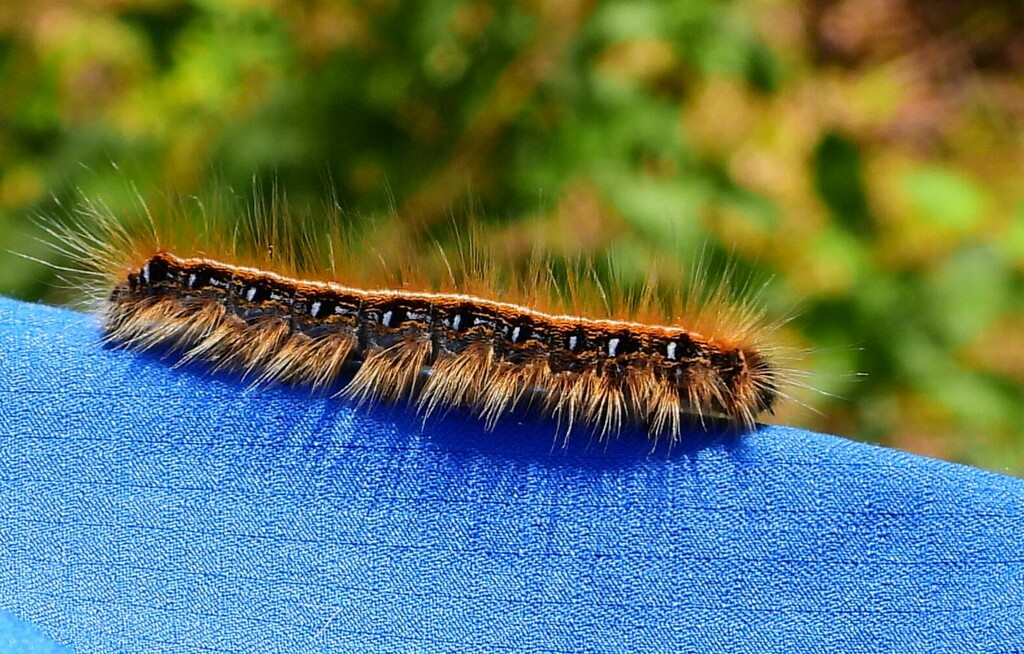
(866,154)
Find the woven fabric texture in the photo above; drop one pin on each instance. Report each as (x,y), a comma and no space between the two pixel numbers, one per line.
(147,507)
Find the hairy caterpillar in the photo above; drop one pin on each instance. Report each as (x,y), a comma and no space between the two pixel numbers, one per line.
(281,303)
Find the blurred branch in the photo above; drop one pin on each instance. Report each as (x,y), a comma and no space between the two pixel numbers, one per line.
(559,23)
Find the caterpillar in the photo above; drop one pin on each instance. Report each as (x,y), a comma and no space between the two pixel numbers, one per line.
(281,304)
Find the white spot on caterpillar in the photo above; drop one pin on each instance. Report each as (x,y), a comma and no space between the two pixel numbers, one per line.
(386,320)
(314,309)
(145,273)
(191,280)
(613,346)
(250,293)
(457,321)
(573,342)
(515,334)
(670,351)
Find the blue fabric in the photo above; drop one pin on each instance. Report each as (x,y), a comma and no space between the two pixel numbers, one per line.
(150,508)
(20,637)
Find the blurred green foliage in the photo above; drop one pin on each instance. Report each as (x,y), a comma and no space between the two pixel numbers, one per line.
(868,156)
